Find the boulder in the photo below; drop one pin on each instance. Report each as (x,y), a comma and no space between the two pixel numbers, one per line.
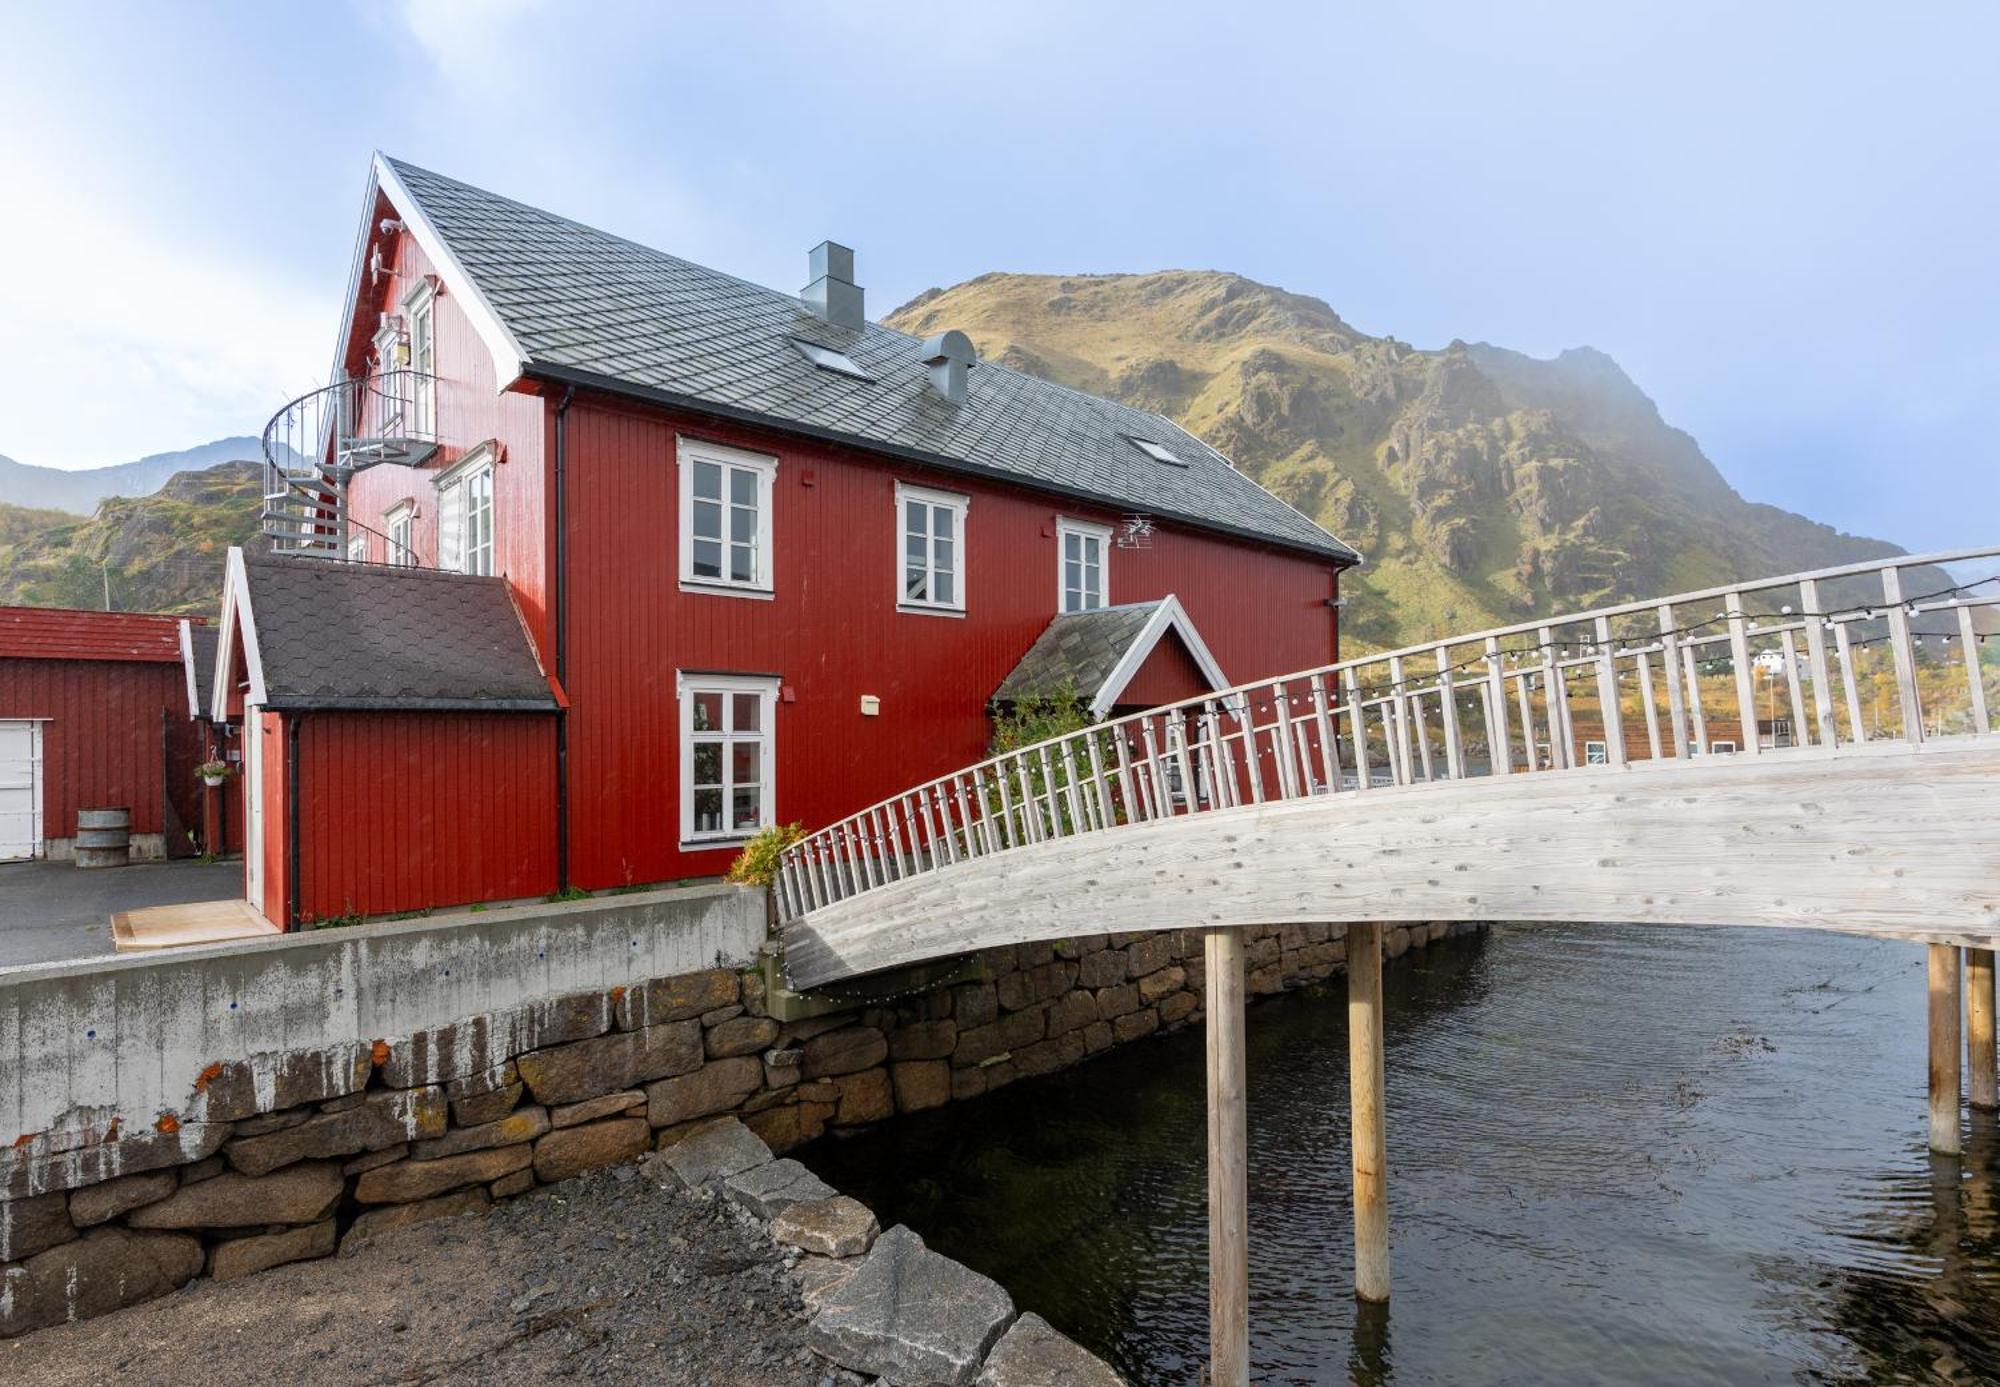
(921,1084)
(742,1035)
(1072,1011)
(835,1227)
(383,1120)
(676,999)
(302,1193)
(233,1089)
(106,1269)
(845,1051)
(511,1130)
(1032,1354)
(590,1109)
(482,1108)
(768,1190)
(1105,968)
(408,1181)
(715,1087)
(925,1040)
(1130,1028)
(1149,955)
(242,1256)
(573,1150)
(865,1097)
(1154,986)
(1176,1008)
(507,1186)
(910,1315)
(590,1068)
(715,1151)
(819,1277)
(373,1223)
(30,1225)
(95,1204)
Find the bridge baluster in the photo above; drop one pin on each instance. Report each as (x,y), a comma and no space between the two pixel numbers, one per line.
(1750,743)
(1499,740)
(1968,644)
(1399,750)
(1670,664)
(1093,743)
(1794,695)
(1454,755)
(1649,704)
(1329,736)
(1609,711)
(1282,743)
(1822,680)
(1903,653)
(1357,726)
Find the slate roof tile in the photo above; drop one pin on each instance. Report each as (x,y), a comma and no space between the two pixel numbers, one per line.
(1076,652)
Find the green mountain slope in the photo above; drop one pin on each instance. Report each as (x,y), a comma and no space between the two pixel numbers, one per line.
(157,553)
(1483,486)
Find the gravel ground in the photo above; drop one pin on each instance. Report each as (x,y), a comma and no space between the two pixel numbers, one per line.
(608,1278)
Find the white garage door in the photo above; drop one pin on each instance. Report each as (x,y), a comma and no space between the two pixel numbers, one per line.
(20,789)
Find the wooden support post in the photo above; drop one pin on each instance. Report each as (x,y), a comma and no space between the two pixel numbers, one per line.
(1364,1084)
(1985,1081)
(1944,1029)
(1228,1165)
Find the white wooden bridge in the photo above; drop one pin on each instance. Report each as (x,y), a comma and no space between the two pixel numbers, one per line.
(1809,751)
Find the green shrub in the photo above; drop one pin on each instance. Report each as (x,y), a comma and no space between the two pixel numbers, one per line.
(757,864)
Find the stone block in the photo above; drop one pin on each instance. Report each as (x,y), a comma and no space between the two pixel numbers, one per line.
(1265,981)
(95,1204)
(1032,1354)
(974,1004)
(409,1181)
(511,1130)
(372,1223)
(819,1277)
(1139,1023)
(487,1107)
(781,1067)
(1149,955)
(1260,953)
(1176,1008)
(712,1019)
(662,1000)
(1105,968)
(507,1186)
(205,1169)
(486,1081)
(34,1224)
(788,1128)
(573,1150)
(864,1098)
(920,1084)
(715,1087)
(1071,1011)
(1097,1037)
(1114,1002)
(625,1059)
(267,1123)
(833,1227)
(1154,986)
(106,1269)
(1047,1056)
(242,1256)
(383,1120)
(590,1109)
(27,1168)
(910,1315)
(1034,954)
(233,1089)
(1010,1032)
(715,1151)
(968,1083)
(388,1155)
(845,1051)
(923,1040)
(302,1193)
(768,1190)
(741,1035)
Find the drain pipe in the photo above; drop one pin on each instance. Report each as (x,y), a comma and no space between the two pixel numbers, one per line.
(561,604)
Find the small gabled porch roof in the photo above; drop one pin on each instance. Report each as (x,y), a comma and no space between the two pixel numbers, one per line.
(1096,654)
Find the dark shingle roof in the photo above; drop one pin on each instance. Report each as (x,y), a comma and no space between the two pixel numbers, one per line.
(1077,652)
(332,634)
(202,637)
(585,305)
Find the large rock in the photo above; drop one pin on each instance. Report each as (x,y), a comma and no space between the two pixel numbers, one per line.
(95,1204)
(715,1151)
(373,1223)
(921,1084)
(741,1035)
(768,1190)
(834,1227)
(573,1150)
(911,1316)
(407,1181)
(104,1270)
(716,1087)
(303,1193)
(1032,1354)
(242,1256)
(483,1108)
(845,1051)
(864,1098)
(590,1109)
(511,1130)
(924,1040)
(678,998)
(230,1089)
(625,1059)
(29,1168)
(383,1120)
(28,1226)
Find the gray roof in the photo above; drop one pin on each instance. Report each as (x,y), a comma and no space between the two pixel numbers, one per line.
(592,308)
(202,637)
(1077,652)
(332,634)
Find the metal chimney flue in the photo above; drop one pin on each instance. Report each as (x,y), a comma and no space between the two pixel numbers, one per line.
(949,356)
(832,293)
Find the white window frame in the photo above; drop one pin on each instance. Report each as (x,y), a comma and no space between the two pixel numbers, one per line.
(764,468)
(954,505)
(402,548)
(420,316)
(688,683)
(1086,531)
(1596,753)
(1722,746)
(464,546)
(357,547)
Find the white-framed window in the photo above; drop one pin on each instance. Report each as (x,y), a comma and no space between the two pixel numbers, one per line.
(465,514)
(1596,754)
(725,532)
(419,311)
(399,524)
(357,547)
(1083,572)
(1722,747)
(930,560)
(728,741)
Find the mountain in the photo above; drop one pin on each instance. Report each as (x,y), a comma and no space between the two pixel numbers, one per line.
(157,553)
(53,488)
(1484,486)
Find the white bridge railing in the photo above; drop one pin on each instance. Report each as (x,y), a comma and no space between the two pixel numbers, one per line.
(1892,649)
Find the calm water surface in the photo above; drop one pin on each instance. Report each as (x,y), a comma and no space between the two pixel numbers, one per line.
(1618,1154)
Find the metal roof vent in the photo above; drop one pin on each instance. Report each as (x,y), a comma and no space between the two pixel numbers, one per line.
(833,294)
(950,356)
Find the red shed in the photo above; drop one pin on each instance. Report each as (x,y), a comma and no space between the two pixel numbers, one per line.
(93,714)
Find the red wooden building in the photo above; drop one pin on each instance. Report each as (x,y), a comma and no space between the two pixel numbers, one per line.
(763,561)
(93,714)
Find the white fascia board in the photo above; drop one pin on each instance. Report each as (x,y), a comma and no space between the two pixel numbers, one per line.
(1169,616)
(239,623)
(187,669)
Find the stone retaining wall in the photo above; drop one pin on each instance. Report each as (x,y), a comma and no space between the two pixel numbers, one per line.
(306,1150)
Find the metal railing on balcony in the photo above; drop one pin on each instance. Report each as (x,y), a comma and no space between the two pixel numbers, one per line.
(315,445)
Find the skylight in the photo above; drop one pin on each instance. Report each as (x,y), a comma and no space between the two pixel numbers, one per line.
(827,359)
(1157,453)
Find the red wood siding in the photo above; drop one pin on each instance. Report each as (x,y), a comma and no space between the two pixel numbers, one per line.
(399,811)
(1168,676)
(276,826)
(833,632)
(111,725)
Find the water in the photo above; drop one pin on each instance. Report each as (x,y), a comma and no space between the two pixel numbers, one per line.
(1618,1154)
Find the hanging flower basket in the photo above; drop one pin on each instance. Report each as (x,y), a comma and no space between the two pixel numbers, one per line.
(212,773)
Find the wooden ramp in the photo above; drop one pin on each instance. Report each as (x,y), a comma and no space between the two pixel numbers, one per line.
(196,922)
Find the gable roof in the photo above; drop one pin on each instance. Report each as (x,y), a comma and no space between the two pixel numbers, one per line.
(325,633)
(61,633)
(559,300)
(198,639)
(1095,654)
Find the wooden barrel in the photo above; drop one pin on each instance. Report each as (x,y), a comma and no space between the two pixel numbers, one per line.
(103,837)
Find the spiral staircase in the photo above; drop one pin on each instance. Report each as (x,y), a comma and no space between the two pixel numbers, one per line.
(314,446)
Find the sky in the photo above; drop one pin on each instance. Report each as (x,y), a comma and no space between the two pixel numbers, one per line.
(1782,219)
